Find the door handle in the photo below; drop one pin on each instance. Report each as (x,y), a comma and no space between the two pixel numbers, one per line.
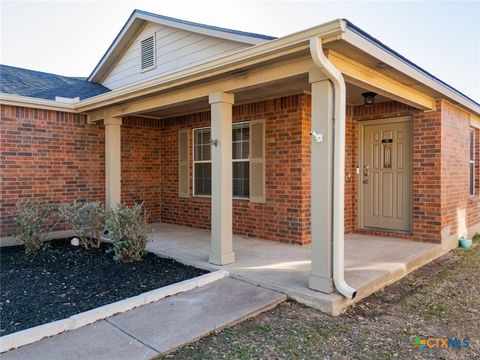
(366,169)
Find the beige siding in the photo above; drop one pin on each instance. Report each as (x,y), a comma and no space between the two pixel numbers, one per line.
(175,49)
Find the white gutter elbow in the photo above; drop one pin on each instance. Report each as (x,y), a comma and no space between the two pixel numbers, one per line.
(336,78)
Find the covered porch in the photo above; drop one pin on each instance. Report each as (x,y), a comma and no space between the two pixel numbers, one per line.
(371,262)
(301,180)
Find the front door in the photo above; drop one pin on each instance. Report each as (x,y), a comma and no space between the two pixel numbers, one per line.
(387,176)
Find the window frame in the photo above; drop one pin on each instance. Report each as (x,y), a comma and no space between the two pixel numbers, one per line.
(472,162)
(194,194)
(242,160)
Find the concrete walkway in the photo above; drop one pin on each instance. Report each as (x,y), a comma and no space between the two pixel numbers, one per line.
(156,328)
(371,262)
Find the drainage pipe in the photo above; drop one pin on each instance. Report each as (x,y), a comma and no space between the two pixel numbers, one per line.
(339,100)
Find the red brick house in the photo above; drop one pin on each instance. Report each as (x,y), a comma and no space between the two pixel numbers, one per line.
(298,139)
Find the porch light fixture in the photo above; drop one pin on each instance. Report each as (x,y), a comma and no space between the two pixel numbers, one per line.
(369,98)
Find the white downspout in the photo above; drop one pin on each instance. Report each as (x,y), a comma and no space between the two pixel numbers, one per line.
(336,78)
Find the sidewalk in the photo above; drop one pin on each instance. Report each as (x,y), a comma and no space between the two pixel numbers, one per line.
(156,328)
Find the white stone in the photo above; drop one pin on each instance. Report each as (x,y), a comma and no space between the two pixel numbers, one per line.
(75,241)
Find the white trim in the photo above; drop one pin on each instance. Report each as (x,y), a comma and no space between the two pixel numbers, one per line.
(36,103)
(203,30)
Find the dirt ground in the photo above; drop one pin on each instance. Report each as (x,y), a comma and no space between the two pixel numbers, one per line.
(437,301)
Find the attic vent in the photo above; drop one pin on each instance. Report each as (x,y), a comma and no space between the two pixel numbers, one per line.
(148,53)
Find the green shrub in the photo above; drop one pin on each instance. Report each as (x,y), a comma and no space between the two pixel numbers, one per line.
(128,230)
(86,219)
(31,219)
(476,236)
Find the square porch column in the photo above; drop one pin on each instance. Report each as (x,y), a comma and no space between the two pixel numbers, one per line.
(321,277)
(221,247)
(113,168)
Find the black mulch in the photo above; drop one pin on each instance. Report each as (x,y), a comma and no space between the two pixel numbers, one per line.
(63,280)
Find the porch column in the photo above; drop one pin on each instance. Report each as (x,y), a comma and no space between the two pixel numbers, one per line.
(113,168)
(221,248)
(321,277)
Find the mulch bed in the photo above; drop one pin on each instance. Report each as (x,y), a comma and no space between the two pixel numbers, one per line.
(63,280)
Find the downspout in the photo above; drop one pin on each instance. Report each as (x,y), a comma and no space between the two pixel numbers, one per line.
(339,100)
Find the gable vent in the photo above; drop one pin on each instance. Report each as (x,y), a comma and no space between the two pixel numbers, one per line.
(148,53)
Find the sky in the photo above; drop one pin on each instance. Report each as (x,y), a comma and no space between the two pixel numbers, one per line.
(70,37)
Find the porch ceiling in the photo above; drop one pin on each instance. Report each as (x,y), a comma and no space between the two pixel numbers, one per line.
(284,87)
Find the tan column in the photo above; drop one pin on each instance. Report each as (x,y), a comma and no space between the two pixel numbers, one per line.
(221,250)
(321,277)
(113,167)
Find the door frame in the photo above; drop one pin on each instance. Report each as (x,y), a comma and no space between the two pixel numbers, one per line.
(361,132)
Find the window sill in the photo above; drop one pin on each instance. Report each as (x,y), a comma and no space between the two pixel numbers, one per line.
(209,197)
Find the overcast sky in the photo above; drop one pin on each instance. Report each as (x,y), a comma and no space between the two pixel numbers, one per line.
(69,37)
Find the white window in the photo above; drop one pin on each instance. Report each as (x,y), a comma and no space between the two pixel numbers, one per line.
(473,148)
(202,163)
(241,163)
(147,54)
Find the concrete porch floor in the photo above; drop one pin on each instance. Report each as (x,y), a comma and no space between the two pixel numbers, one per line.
(371,262)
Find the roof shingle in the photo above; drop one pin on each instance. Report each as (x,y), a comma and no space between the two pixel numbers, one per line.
(37,84)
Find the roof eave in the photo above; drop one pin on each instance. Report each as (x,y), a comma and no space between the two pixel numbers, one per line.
(36,103)
(365,42)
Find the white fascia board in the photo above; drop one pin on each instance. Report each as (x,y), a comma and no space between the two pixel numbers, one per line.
(405,68)
(203,30)
(332,30)
(111,48)
(31,102)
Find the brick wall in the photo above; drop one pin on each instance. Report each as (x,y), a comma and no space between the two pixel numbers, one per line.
(384,110)
(47,156)
(54,156)
(141,159)
(286,214)
(460,211)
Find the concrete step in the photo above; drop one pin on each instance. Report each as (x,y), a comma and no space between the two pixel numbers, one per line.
(159,327)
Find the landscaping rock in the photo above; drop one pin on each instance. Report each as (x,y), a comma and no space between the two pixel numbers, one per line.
(63,280)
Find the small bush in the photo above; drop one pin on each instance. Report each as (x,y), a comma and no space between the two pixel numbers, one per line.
(476,237)
(128,230)
(86,220)
(31,219)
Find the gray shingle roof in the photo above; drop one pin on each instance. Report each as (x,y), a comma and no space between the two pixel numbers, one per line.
(25,82)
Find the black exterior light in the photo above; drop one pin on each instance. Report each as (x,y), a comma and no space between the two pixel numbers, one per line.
(369,98)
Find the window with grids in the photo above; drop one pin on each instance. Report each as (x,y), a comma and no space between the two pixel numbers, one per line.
(240,156)
(202,164)
(473,148)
